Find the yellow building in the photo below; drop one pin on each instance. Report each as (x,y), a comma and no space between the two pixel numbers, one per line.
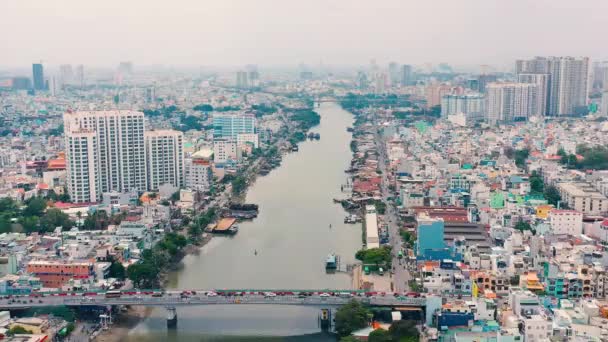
(542,211)
(33,324)
(530,281)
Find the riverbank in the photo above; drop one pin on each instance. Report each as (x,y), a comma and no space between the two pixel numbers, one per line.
(126,321)
(123,323)
(292,237)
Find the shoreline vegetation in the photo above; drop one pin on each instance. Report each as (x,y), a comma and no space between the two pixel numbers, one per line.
(167,255)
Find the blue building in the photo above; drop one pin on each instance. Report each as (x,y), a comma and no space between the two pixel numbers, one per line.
(430,244)
(230,125)
(38,76)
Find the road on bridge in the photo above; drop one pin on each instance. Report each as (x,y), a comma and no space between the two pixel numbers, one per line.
(171,299)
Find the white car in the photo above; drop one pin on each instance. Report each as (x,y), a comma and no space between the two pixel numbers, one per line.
(211,294)
(270,294)
(324,295)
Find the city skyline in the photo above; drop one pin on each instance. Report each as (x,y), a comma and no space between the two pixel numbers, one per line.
(480,32)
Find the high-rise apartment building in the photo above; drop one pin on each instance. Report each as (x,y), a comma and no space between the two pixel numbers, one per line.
(600,75)
(508,102)
(165,158)
(226,151)
(241,79)
(105,152)
(21,83)
(199,175)
(407,77)
(542,82)
(66,74)
(38,76)
(230,125)
(483,80)
(568,81)
(434,93)
(82,156)
(393,73)
(604,106)
(80,75)
(472,105)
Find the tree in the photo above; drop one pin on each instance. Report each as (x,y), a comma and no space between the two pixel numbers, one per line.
(403,329)
(96,221)
(143,275)
(239,183)
(552,195)
(522,225)
(30,224)
(378,256)
(17,329)
(117,270)
(351,317)
(35,207)
(7,205)
(521,156)
(203,108)
(379,335)
(537,184)
(54,218)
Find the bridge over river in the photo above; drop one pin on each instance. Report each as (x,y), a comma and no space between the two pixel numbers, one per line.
(325,299)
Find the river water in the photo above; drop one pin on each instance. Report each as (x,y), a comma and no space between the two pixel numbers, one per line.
(292,236)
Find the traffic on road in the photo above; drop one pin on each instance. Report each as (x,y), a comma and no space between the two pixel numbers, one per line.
(161,297)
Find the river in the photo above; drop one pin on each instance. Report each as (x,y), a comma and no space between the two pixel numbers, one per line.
(293,237)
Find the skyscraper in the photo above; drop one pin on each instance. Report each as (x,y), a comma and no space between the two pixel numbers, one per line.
(406,75)
(434,93)
(604,107)
(241,79)
(115,155)
(472,105)
(84,182)
(542,82)
(80,75)
(508,102)
(38,76)
(165,158)
(483,80)
(568,78)
(230,125)
(393,73)
(66,74)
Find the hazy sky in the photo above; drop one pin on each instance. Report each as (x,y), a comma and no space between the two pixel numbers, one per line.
(287,32)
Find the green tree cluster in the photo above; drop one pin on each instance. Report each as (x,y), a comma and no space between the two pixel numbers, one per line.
(521,156)
(166,112)
(203,107)
(351,317)
(263,109)
(200,223)
(537,185)
(399,331)
(305,118)
(146,273)
(19,330)
(117,270)
(379,256)
(593,158)
(34,217)
(239,184)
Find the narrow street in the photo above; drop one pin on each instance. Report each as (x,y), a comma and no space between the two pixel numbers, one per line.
(401,276)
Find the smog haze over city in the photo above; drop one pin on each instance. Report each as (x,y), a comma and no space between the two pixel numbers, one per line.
(272,32)
(320,170)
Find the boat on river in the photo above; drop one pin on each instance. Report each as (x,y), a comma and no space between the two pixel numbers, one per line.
(331,262)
